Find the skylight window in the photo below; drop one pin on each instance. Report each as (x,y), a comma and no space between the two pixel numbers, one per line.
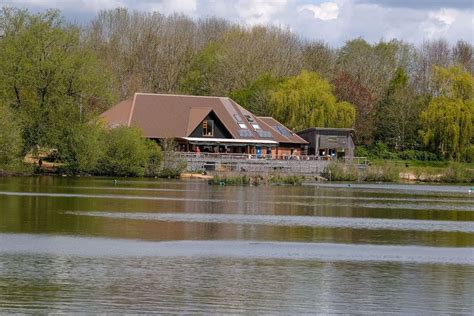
(242,125)
(245,133)
(264,134)
(237,118)
(256,126)
(249,118)
(283,131)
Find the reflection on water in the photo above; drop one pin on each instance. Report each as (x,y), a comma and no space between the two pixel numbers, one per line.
(305,221)
(86,245)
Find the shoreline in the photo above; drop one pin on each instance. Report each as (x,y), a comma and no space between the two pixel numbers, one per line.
(405,178)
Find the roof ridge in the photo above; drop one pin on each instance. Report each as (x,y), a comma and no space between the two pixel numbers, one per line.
(182,95)
(131,110)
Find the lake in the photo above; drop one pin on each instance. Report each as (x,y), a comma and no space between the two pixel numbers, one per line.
(87,245)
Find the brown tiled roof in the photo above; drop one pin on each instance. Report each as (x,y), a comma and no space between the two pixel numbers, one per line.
(166,115)
(289,136)
(118,114)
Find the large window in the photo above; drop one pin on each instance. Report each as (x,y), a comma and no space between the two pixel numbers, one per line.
(208,127)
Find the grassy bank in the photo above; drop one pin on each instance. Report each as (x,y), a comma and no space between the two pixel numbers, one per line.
(400,171)
(275,179)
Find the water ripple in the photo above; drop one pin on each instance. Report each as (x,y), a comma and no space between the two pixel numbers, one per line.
(306,221)
(162,198)
(93,247)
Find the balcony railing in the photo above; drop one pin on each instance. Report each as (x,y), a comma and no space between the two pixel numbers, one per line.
(254,157)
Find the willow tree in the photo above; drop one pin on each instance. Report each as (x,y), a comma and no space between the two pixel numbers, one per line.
(448,121)
(307,101)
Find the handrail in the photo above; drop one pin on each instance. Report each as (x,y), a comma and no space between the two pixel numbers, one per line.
(234,156)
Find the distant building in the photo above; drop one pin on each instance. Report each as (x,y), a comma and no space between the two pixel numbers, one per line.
(333,143)
(206,124)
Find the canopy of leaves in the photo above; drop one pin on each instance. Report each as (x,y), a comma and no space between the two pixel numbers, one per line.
(307,101)
(448,120)
(47,75)
(397,114)
(126,153)
(256,96)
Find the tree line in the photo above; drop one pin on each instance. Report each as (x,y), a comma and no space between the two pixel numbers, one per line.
(56,76)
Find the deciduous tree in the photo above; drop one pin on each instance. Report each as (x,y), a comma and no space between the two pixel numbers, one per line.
(448,120)
(307,101)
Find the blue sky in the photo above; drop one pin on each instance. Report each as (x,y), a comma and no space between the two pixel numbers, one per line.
(334,21)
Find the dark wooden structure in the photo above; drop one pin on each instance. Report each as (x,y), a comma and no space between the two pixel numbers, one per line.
(332,143)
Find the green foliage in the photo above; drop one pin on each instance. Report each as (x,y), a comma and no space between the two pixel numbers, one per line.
(153,167)
(362,151)
(198,80)
(336,171)
(230,180)
(10,139)
(448,121)
(172,165)
(397,114)
(81,147)
(380,150)
(288,179)
(46,75)
(457,173)
(307,101)
(256,97)
(420,155)
(126,153)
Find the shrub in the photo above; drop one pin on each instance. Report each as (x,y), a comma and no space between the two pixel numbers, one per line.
(82,149)
(362,151)
(154,159)
(172,165)
(381,151)
(291,180)
(126,153)
(230,180)
(418,155)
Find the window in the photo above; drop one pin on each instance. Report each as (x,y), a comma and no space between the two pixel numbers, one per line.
(283,131)
(249,118)
(255,126)
(237,118)
(208,127)
(242,125)
(264,134)
(245,133)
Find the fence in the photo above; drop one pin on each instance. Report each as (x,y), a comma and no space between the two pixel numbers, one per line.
(261,164)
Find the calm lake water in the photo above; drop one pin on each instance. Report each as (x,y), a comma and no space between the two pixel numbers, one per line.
(87,245)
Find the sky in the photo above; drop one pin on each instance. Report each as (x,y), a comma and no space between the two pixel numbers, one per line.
(334,21)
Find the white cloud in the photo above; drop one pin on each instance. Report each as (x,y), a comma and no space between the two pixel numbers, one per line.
(249,12)
(446,22)
(325,11)
(168,7)
(334,21)
(447,16)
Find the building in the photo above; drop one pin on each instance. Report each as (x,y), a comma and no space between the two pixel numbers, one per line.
(330,143)
(206,124)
